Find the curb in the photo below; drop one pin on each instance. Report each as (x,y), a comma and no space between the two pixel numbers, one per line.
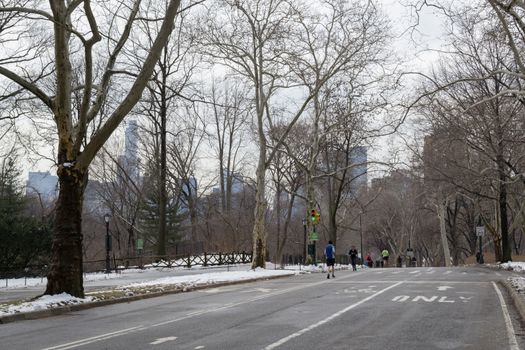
(33,315)
(517,299)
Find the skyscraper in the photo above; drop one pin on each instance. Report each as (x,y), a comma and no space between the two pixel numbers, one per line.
(43,184)
(130,160)
(359,171)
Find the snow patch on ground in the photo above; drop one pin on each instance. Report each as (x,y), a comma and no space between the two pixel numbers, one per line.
(175,282)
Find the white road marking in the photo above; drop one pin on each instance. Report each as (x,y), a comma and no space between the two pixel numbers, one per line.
(85,341)
(513,343)
(447,272)
(199,347)
(421,297)
(163,340)
(444,300)
(328,319)
(443,288)
(95,339)
(401,298)
(413,272)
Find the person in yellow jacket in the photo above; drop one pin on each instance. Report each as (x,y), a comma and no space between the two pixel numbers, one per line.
(385,256)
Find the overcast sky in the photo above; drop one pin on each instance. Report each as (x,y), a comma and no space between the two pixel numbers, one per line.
(413,45)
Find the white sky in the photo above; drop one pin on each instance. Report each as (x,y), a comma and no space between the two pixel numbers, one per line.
(414,46)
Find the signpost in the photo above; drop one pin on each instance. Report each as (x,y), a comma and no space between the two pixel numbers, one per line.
(480,232)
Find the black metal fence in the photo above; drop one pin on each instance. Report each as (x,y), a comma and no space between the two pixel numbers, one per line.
(204,259)
(298,259)
(142,262)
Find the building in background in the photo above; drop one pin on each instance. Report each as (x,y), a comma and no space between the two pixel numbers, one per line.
(359,170)
(42,184)
(130,161)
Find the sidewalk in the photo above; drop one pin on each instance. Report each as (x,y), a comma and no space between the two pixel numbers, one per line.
(17,300)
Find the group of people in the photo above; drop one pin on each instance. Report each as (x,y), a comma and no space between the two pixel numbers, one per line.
(353,253)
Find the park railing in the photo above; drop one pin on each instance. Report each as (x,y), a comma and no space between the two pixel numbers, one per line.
(154,261)
(141,262)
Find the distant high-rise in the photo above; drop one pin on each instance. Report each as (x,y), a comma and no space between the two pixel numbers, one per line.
(359,170)
(43,184)
(130,159)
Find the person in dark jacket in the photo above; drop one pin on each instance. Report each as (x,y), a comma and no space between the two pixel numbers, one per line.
(353,257)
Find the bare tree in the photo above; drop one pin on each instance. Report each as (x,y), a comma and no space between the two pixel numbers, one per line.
(73,92)
(167,88)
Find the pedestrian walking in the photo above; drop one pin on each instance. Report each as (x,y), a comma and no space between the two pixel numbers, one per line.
(353,257)
(385,254)
(329,253)
(369,261)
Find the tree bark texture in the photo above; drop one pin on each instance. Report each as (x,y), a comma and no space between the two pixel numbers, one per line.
(65,273)
(259,234)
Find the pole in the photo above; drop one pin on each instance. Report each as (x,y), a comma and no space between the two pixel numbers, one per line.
(481,261)
(314,251)
(108,269)
(361,237)
(305,251)
(481,250)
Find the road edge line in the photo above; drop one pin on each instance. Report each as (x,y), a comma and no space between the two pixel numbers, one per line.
(513,343)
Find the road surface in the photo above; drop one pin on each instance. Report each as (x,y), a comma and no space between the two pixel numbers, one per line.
(376,309)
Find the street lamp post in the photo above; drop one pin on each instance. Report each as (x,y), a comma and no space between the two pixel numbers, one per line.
(304,241)
(107,217)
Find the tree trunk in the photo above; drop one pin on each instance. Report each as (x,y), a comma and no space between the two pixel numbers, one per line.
(278,257)
(65,273)
(443,231)
(259,237)
(161,244)
(502,201)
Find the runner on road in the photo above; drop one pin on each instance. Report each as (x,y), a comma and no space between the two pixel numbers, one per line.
(353,257)
(329,252)
(385,255)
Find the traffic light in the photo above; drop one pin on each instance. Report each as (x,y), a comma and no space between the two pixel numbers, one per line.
(315,217)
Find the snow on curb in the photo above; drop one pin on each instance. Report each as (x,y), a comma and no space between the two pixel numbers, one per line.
(61,303)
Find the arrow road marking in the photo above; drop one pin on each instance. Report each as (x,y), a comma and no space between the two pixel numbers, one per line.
(444,288)
(163,340)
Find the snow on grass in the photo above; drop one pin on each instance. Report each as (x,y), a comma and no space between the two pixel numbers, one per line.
(42,303)
(159,284)
(518,266)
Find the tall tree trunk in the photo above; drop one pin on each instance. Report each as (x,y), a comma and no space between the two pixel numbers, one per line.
(259,232)
(278,258)
(505,240)
(259,235)
(443,230)
(65,273)
(163,200)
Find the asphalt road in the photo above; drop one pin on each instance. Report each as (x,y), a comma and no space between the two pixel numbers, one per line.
(377,309)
